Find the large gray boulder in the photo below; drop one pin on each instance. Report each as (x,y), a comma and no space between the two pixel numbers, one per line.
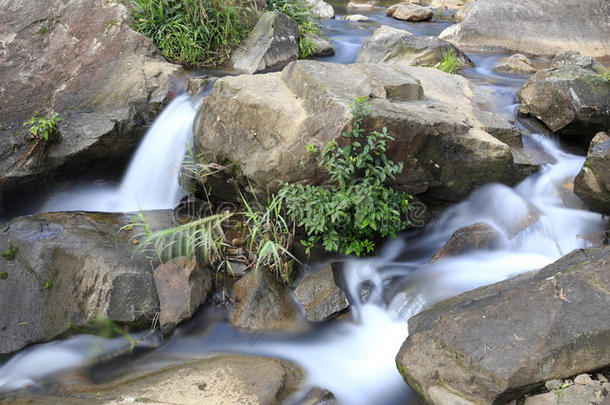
(399,47)
(272,43)
(535,27)
(80,59)
(62,270)
(592,184)
(262,124)
(495,343)
(571,97)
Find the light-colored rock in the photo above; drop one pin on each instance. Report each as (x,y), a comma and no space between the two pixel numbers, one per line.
(592,184)
(272,43)
(321,9)
(516,64)
(409,12)
(322,46)
(182,288)
(571,395)
(583,379)
(553,384)
(534,27)
(225,379)
(69,269)
(443,138)
(356,17)
(263,304)
(572,97)
(360,6)
(399,47)
(493,344)
(320,297)
(82,60)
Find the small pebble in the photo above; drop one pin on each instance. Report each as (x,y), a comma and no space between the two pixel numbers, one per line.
(601,378)
(583,379)
(553,384)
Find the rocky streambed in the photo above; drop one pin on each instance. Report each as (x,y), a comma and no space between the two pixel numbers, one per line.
(500,297)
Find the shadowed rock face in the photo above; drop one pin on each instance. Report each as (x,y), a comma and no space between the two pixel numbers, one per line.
(263,123)
(592,183)
(68,269)
(535,27)
(80,59)
(478,236)
(488,345)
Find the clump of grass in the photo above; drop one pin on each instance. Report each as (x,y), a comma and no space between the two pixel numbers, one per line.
(194,32)
(451,63)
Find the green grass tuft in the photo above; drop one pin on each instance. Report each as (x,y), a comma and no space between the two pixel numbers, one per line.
(451,62)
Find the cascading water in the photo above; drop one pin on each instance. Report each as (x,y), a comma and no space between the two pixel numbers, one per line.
(151,180)
(539,220)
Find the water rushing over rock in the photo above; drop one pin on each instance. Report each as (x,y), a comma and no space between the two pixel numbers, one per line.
(151,180)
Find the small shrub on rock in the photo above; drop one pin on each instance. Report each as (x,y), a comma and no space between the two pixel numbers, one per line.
(358,207)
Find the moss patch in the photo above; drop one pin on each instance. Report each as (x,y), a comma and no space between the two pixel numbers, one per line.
(3,275)
(10,253)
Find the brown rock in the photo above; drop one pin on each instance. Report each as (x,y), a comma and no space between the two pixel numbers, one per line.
(479,236)
(409,12)
(182,288)
(263,304)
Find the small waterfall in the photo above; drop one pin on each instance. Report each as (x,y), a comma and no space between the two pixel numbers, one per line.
(151,180)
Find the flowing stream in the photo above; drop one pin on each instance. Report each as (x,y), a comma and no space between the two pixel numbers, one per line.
(540,220)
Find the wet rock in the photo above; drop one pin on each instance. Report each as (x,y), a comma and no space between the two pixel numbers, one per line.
(197,84)
(516,64)
(263,304)
(69,269)
(592,184)
(320,296)
(356,17)
(82,60)
(399,47)
(318,396)
(226,379)
(569,98)
(321,9)
(493,344)
(409,12)
(479,236)
(272,43)
(542,28)
(322,47)
(443,138)
(182,288)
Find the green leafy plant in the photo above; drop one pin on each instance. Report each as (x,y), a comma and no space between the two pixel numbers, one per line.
(194,32)
(358,207)
(43,128)
(451,62)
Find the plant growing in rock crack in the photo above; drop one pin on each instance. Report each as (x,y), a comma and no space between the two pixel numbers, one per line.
(358,207)
(451,63)
(40,131)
